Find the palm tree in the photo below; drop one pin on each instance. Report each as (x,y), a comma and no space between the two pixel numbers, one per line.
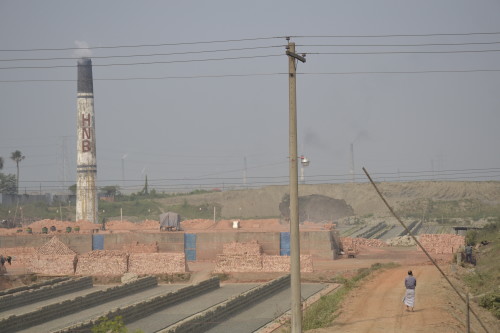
(17,157)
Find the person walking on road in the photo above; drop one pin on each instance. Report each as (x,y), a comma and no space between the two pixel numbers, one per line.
(410,284)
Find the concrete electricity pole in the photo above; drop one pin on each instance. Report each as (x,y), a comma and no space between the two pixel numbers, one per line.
(294,192)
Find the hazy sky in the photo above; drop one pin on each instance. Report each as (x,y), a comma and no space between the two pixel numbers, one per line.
(413,85)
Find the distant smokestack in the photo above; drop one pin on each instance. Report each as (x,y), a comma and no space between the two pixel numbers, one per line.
(86,167)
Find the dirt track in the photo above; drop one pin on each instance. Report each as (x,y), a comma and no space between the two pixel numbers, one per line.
(377,306)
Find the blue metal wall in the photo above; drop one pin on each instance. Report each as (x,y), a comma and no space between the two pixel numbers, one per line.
(284,243)
(190,246)
(97,242)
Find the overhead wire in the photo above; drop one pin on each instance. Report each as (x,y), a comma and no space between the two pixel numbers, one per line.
(249,48)
(487,33)
(149,54)
(142,45)
(147,63)
(251,39)
(470,173)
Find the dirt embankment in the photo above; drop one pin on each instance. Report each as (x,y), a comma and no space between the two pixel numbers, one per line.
(264,202)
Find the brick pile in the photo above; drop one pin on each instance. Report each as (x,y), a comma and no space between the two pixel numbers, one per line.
(53,258)
(249,257)
(55,247)
(282,263)
(156,263)
(355,242)
(441,243)
(250,248)
(102,263)
(238,263)
(140,248)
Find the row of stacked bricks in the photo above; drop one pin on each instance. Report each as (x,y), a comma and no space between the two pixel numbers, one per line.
(55,258)
(441,243)
(249,257)
(349,242)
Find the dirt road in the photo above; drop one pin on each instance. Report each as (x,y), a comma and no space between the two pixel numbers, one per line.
(377,305)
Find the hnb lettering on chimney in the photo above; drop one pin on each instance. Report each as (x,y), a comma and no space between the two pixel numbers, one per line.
(86,133)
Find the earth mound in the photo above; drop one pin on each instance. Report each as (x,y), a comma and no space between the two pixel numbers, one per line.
(317,208)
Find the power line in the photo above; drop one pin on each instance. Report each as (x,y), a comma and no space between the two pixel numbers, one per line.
(422,173)
(147,63)
(149,54)
(258,74)
(401,52)
(250,48)
(404,72)
(147,78)
(251,39)
(143,45)
(398,45)
(253,57)
(399,35)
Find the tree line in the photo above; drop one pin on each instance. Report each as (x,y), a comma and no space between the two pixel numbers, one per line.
(9,184)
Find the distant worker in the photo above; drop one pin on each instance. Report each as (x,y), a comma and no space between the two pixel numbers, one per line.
(410,284)
(3,270)
(468,253)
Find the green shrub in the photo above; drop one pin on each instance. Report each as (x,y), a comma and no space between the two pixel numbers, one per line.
(492,303)
(114,325)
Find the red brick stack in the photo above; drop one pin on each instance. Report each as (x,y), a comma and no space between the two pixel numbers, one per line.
(157,263)
(240,257)
(102,263)
(53,258)
(249,257)
(441,243)
(282,263)
(348,242)
(250,248)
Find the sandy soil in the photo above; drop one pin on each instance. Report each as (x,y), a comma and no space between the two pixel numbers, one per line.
(377,305)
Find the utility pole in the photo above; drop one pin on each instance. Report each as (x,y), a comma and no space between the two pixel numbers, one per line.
(294,192)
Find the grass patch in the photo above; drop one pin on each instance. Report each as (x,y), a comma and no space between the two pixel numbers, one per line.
(484,279)
(322,313)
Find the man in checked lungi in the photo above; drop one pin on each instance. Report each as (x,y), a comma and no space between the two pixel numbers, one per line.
(410,284)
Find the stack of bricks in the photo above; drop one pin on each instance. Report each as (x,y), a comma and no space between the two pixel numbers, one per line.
(240,257)
(282,263)
(441,243)
(140,248)
(102,263)
(349,242)
(53,258)
(156,263)
(238,263)
(250,248)
(248,257)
